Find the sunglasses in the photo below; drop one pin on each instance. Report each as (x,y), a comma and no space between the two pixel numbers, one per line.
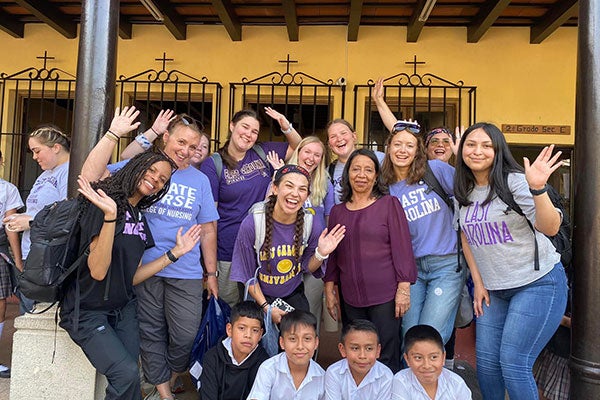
(174,166)
(412,127)
(187,121)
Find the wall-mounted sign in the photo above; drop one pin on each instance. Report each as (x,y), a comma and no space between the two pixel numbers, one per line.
(543,129)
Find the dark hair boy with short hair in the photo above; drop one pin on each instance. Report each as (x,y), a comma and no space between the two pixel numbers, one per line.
(293,373)
(229,368)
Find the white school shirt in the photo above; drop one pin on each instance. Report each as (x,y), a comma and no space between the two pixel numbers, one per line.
(406,386)
(340,385)
(274,381)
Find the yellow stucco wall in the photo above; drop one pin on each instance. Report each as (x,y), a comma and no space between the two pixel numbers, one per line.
(516,82)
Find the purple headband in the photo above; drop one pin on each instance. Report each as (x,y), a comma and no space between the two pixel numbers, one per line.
(289,169)
(435,132)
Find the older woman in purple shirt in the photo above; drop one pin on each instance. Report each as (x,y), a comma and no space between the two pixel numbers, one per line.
(374,264)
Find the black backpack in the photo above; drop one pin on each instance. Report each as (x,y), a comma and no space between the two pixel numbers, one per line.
(55,252)
(562,240)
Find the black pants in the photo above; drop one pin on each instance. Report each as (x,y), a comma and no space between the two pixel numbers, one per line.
(110,340)
(382,315)
(296,299)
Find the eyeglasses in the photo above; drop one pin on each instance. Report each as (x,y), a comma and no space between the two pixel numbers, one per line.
(437,142)
(412,127)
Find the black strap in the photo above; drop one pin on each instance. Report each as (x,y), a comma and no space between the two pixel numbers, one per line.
(433,184)
(331,170)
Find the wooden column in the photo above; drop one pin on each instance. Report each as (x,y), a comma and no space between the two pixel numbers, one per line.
(585,353)
(96,74)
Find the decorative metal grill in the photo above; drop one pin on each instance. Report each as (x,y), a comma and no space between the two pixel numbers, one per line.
(308,102)
(151,91)
(431,100)
(32,97)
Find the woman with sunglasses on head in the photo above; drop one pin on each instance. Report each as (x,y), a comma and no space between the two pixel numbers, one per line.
(99,307)
(239,175)
(520,284)
(50,148)
(169,303)
(283,256)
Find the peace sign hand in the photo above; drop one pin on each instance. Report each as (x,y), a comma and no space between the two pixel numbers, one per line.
(545,164)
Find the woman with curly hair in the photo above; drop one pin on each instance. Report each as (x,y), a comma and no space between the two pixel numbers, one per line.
(99,307)
(283,255)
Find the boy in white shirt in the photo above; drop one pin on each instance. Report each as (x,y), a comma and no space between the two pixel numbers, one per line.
(358,376)
(427,378)
(292,374)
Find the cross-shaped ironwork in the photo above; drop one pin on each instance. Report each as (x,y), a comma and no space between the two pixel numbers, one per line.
(414,63)
(288,62)
(45,57)
(164,60)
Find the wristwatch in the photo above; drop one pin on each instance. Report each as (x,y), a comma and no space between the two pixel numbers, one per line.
(215,274)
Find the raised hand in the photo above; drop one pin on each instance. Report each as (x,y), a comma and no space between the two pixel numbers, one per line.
(187,241)
(161,123)
(98,198)
(545,164)
(274,160)
(377,93)
(458,133)
(328,241)
(122,123)
(284,124)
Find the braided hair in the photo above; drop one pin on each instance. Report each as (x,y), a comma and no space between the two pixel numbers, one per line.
(124,183)
(299,224)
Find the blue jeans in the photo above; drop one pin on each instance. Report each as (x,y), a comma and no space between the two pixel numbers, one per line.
(512,332)
(435,295)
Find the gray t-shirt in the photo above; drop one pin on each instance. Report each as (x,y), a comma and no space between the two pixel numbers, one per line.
(502,242)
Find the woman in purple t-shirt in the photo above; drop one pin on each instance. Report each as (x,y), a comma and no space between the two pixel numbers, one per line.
(239,176)
(374,264)
(283,255)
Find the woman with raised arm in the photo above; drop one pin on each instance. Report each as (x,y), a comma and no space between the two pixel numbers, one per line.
(520,293)
(170,302)
(239,175)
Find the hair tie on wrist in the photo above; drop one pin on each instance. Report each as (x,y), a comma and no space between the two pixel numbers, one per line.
(263,305)
(154,130)
(108,221)
(537,192)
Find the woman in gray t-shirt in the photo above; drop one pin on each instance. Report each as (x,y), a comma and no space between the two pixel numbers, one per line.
(518,305)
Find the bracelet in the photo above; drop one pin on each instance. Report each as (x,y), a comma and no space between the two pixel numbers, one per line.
(171,256)
(263,305)
(111,138)
(320,256)
(143,141)
(156,133)
(108,221)
(113,135)
(289,130)
(537,192)
(215,274)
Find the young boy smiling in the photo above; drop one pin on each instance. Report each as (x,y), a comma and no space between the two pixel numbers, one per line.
(427,378)
(230,367)
(292,374)
(359,375)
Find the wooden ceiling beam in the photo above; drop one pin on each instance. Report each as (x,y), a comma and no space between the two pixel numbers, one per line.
(291,19)
(51,15)
(228,18)
(414,28)
(125,28)
(553,19)
(354,20)
(171,19)
(10,26)
(485,18)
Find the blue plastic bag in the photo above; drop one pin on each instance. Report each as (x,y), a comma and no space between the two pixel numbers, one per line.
(270,339)
(212,328)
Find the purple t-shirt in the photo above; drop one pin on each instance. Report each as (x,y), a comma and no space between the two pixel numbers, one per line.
(237,190)
(429,218)
(324,209)
(284,277)
(375,254)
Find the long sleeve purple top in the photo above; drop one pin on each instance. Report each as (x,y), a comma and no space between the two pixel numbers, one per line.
(375,254)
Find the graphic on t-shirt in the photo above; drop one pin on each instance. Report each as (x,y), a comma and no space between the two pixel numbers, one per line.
(134,227)
(482,232)
(284,256)
(39,185)
(246,172)
(416,205)
(177,203)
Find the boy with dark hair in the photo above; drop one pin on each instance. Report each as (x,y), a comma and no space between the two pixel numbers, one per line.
(292,374)
(358,375)
(229,368)
(427,378)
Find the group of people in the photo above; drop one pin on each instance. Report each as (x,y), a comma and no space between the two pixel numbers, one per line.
(273,223)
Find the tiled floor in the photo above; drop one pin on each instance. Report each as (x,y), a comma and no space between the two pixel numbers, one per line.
(328,354)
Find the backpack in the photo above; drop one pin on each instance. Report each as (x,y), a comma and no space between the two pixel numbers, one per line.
(258,212)
(562,240)
(54,254)
(218,160)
